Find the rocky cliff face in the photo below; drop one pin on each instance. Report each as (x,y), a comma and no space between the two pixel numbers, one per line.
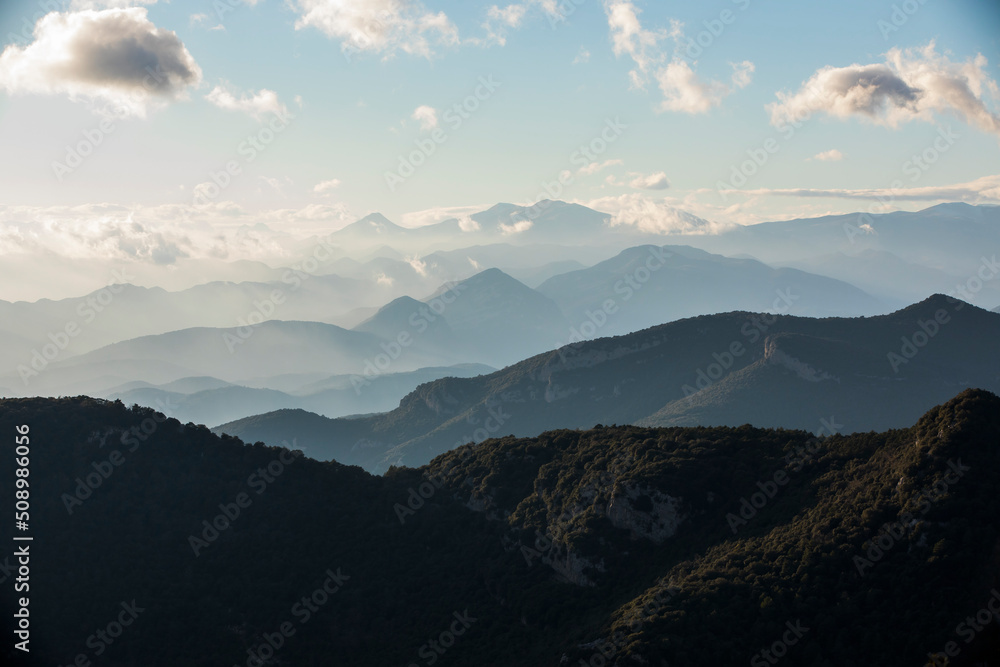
(605,495)
(645,512)
(774,353)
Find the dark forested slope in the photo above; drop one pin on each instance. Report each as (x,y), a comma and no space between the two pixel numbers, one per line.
(680,546)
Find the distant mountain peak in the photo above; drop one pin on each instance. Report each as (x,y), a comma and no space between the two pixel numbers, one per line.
(374,222)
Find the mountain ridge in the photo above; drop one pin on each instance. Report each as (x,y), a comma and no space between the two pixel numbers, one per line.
(655,376)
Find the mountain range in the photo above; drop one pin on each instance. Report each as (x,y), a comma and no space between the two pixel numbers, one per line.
(488,318)
(867,373)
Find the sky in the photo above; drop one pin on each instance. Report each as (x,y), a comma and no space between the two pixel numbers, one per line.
(146,121)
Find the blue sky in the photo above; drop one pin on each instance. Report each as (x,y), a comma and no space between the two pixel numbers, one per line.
(563,72)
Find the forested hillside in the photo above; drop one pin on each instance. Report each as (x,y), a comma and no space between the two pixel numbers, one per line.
(656,545)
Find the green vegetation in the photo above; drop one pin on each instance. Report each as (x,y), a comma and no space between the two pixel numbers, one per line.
(615,534)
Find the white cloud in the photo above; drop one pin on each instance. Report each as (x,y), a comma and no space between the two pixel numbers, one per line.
(426,116)
(912,84)
(384,280)
(324,187)
(595,167)
(628,37)
(655,216)
(656,181)
(516,228)
(203,19)
(441,213)
(499,20)
(467,224)
(276,184)
(255,104)
(832,155)
(378,26)
(582,57)
(162,236)
(418,265)
(510,15)
(78,5)
(114,59)
(743,73)
(683,90)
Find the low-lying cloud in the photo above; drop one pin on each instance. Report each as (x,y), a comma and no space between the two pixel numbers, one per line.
(653,216)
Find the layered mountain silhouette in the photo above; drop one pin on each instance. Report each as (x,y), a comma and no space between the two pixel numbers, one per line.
(209,400)
(617,545)
(729,369)
(938,248)
(649,285)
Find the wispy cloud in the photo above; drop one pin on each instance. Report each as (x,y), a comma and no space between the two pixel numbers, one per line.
(253,104)
(654,216)
(426,116)
(378,26)
(597,166)
(655,181)
(985,190)
(683,90)
(325,187)
(832,155)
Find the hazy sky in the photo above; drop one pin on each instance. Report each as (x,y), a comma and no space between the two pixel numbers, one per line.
(834,100)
